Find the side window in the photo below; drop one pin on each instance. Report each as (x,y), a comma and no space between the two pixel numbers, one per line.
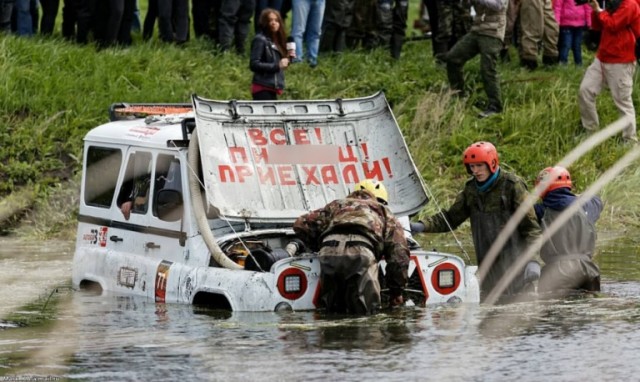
(167,177)
(101,175)
(134,193)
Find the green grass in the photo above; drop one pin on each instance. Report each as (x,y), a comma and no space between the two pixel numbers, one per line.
(53,92)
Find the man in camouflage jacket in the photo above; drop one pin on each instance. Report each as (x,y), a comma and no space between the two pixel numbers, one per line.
(352,235)
(489,199)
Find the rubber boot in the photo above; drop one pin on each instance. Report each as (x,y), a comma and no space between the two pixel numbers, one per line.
(440,50)
(549,60)
(396,45)
(529,64)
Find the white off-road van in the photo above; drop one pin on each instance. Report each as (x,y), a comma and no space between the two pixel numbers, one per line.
(194,203)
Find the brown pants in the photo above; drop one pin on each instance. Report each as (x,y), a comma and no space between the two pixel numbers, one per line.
(349,275)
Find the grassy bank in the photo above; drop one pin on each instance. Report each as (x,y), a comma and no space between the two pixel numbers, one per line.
(53,92)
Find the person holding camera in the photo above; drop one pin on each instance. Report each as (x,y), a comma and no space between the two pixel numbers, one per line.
(573,16)
(614,64)
(268,57)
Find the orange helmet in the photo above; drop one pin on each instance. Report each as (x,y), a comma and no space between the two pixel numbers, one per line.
(481,152)
(560,178)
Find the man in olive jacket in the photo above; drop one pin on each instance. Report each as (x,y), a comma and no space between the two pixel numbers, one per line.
(489,199)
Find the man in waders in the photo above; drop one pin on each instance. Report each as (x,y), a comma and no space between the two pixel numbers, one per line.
(352,235)
(568,252)
(489,199)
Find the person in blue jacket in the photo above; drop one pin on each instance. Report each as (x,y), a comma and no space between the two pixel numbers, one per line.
(568,252)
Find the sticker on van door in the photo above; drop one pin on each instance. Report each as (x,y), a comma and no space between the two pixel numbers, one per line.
(162,274)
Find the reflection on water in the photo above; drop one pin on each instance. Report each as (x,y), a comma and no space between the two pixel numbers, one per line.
(109,338)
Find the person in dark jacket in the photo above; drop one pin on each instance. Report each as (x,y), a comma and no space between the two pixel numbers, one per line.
(489,199)
(352,235)
(568,252)
(268,57)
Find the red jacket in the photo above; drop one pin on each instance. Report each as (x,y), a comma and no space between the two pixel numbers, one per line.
(619,31)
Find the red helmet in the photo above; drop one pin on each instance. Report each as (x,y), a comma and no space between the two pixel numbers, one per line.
(560,178)
(481,152)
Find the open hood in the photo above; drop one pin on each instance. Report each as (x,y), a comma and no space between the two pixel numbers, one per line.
(272,161)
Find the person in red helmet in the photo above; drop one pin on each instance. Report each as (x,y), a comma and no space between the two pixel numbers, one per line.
(568,252)
(489,199)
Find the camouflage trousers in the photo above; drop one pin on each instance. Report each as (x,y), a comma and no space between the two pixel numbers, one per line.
(467,48)
(349,275)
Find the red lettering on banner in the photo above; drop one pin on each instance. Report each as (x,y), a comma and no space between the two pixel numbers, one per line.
(226,174)
(310,174)
(365,151)
(371,173)
(301,137)
(285,173)
(329,175)
(347,155)
(260,154)
(278,137)
(318,134)
(257,137)
(350,174)
(243,172)
(266,175)
(387,166)
(235,152)
(290,175)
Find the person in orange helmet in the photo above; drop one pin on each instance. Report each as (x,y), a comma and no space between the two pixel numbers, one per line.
(489,199)
(568,253)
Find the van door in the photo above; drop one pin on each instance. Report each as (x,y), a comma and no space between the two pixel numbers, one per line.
(130,212)
(165,235)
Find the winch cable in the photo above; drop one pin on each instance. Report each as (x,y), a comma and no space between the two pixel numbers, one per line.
(444,217)
(198,207)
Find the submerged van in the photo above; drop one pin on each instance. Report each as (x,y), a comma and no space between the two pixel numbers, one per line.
(195,203)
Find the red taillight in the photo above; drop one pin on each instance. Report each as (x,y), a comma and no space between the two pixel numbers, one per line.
(445,278)
(292,283)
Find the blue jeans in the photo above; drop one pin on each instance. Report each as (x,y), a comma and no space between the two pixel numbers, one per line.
(24,22)
(307,23)
(570,38)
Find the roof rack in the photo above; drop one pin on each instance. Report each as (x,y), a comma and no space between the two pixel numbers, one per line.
(124,111)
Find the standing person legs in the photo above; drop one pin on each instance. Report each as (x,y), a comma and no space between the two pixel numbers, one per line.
(531,31)
(489,50)
(246,10)
(116,13)
(227,22)
(576,45)
(590,87)
(24,22)
(49,14)
(181,20)
(464,50)
(400,15)
(6,9)
(301,9)
(165,20)
(150,19)
(620,81)
(313,30)
(564,44)
(549,36)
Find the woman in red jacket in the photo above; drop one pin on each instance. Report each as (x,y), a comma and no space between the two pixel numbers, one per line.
(614,65)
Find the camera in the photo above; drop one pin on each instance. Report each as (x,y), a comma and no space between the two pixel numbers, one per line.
(581,2)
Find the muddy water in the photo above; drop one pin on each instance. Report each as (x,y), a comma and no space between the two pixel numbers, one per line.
(111,338)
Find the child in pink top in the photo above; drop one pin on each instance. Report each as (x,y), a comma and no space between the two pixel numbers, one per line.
(573,19)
